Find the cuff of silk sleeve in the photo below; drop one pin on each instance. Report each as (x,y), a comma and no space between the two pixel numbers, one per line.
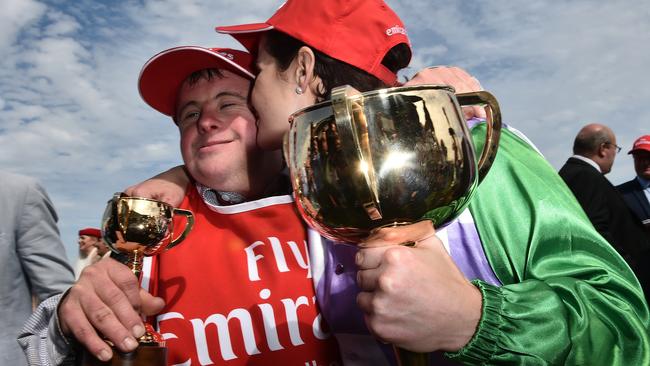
(482,346)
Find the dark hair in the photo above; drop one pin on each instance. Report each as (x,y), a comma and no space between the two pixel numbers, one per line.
(284,48)
(588,142)
(193,78)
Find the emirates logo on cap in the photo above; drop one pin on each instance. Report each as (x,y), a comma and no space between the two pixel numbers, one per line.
(396,29)
(227,55)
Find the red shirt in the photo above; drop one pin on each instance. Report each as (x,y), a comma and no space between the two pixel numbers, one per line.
(238,289)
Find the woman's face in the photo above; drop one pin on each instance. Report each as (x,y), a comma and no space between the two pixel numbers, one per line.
(274,98)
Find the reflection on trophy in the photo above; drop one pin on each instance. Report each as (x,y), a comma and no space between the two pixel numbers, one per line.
(387,157)
(134,227)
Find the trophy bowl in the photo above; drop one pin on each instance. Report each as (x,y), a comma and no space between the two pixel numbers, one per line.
(386,157)
(134,227)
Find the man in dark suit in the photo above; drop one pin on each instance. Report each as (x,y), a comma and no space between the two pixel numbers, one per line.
(594,151)
(636,192)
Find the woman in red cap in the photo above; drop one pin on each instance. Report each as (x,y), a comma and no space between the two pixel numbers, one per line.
(545,289)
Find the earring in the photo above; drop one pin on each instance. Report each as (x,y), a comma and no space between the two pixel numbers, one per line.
(299,90)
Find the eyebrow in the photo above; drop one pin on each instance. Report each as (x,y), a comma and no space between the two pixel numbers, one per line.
(220,95)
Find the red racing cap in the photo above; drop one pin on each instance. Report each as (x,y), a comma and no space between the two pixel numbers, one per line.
(91,231)
(357,32)
(642,143)
(162,76)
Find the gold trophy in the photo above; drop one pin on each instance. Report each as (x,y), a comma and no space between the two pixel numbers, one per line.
(388,157)
(135,227)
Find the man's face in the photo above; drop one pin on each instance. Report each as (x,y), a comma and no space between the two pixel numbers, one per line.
(218,133)
(642,163)
(87,243)
(610,154)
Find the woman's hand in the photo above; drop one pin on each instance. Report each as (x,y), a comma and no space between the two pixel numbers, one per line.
(415,297)
(454,76)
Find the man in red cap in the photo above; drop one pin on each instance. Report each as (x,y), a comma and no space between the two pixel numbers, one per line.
(636,192)
(91,248)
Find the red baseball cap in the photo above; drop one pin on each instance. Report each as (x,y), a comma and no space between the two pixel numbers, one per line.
(164,73)
(90,231)
(642,143)
(357,32)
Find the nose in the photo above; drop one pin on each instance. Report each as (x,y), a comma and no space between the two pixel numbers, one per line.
(209,120)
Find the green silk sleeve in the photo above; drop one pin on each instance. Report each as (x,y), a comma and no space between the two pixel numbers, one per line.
(567,297)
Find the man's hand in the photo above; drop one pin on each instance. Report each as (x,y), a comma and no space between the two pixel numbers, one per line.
(454,76)
(106,300)
(415,297)
(168,187)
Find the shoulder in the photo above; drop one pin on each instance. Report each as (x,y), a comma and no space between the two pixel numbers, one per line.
(16,182)
(16,189)
(576,167)
(629,186)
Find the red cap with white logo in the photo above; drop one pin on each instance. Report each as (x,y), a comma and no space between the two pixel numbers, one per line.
(642,143)
(162,76)
(357,32)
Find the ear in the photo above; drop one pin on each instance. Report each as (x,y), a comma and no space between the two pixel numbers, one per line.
(304,72)
(601,150)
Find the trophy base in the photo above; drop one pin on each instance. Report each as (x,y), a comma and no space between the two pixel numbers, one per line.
(142,356)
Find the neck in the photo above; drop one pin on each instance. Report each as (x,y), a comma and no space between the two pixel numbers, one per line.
(278,184)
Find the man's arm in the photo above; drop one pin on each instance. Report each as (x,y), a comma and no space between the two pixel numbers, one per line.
(41,338)
(106,300)
(39,245)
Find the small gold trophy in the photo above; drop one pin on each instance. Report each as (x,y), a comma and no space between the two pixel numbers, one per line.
(387,157)
(135,227)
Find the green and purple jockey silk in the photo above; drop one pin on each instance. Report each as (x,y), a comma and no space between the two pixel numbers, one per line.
(554,291)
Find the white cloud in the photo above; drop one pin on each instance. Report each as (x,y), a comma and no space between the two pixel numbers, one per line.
(15,15)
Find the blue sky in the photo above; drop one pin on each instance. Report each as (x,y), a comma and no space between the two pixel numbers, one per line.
(70,114)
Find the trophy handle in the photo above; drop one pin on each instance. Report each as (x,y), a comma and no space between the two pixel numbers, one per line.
(493,127)
(188,226)
(356,130)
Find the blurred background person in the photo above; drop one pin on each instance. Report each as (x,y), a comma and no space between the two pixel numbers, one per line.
(91,249)
(594,150)
(33,263)
(636,192)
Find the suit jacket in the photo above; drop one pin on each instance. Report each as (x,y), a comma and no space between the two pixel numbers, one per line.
(610,215)
(636,200)
(32,258)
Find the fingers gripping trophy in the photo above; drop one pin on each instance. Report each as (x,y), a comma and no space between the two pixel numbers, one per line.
(135,227)
(388,157)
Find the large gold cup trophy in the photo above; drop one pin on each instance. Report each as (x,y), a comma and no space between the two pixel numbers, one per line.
(135,227)
(388,157)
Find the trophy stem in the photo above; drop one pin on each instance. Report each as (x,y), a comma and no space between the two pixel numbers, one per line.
(134,262)
(409,358)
